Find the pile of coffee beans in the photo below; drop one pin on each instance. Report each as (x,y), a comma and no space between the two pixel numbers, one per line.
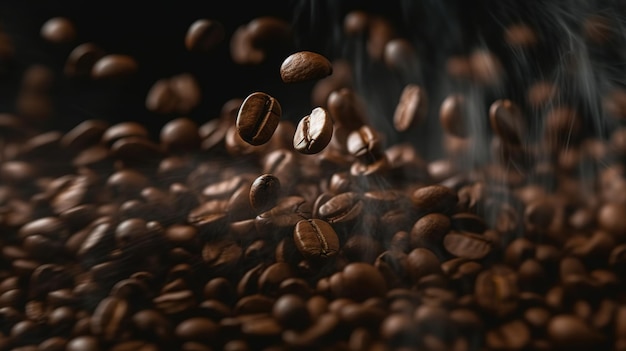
(251,231)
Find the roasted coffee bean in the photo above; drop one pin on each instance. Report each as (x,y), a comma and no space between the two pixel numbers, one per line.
(399,55)
(152,323)
(452,116)
(273,276)
(175,302)
(429,230)
(264,192)
(114,66)
(411,109)
(358,281)
(345,207)
(204,35)
(422,262)
(161,97)
(55,343)
(568,332)
(86,133)
(496,291)
(467,245)
(58,30)
(80,61)
(434,198)
(364,143)
(123,130)
(315,239)
(253,304)
(512,336)
(180,135)
(507,121)
(347,109)
(355,22)
(258,118)
(305,66)
(197,329)
(109,318)
(290,311)
(317,335)
(313,132)
(84,343)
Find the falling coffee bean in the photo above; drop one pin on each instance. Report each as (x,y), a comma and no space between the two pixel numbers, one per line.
(411,109)
(204,35)
(305,66)
(313,132)
(114,66)
(258,118)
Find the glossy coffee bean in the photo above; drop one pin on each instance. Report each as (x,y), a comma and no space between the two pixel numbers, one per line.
(304,66)
(313,132)
(258,118)
(315,239)
(507,121)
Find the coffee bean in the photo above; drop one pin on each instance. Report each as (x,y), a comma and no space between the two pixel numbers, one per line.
(204,35)
(273,276)
(291,312)
(264,192)
(347,109)
(467,245)
(305,66)
(83,343)
(55,343)
(114,66)
(161,97)
(430,230)
(187,90)
(180,135)
(512,335)
(58,30)
(358,281)
(258,118)
(313,132)
(434,198)
(452,116)
(507,121)
(411,109)
(197,329)
(399,55)
(175,302)
(355,22)
(568,332)
(80,61)
(381,31)
(315,239)
(422,262)
(496,290)
(109,318)
(342,208)
(364,143)
(317,335)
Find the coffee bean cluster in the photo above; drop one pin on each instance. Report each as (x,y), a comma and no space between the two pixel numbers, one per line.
(251,232)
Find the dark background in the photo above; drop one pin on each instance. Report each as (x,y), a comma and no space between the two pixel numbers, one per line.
(153,33)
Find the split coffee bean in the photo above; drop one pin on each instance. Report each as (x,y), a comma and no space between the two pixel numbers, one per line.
(313,132)
(258,118)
